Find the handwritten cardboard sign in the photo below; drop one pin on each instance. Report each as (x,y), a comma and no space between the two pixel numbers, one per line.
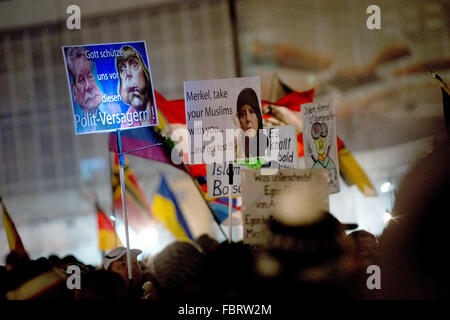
(218,181)
(282,147)
(319,138)
(292,194)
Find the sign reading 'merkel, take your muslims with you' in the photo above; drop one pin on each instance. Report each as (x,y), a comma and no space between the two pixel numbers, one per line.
(219,113)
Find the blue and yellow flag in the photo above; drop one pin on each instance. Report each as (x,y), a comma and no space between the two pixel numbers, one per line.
(165,208)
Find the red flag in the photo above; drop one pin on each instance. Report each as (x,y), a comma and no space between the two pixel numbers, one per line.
(107,236)
(295,99)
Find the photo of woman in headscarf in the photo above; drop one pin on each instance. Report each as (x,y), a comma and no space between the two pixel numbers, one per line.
(250,120)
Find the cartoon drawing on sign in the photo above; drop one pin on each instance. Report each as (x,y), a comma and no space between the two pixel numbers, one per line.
(110,86)
(135,85)
(250,120)
(319,138)
(86,93)
(319,132)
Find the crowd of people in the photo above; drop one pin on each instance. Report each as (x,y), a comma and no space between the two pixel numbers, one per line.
(315,260)
(319,260)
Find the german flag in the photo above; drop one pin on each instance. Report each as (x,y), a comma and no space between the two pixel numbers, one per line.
(14,240)
(138,209)
(107,236)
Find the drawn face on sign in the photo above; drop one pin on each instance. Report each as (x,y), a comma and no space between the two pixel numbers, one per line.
(133,84)
(134,79)
(319,132)
(85,90)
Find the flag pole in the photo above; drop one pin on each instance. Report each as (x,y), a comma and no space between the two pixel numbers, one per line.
(230,201)
(124,206)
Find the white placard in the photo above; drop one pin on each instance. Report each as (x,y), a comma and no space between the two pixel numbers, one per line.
(281,152)
(218,180)
(282,147)
(212,107)
(295,196)
(319,138)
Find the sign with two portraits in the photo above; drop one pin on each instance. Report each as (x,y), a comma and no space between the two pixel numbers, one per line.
(110,86)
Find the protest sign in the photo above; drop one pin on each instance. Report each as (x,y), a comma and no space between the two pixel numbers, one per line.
(319,139)
(282,147)
(295,195)
(217,179)
(110,86)
(215,109)
(281,152)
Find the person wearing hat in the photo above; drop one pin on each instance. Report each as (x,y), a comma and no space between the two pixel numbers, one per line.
(176,272)
(309,253)
(116,261)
